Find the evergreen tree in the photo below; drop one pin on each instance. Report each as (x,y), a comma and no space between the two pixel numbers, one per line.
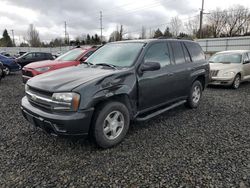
(88,40)
(6,41)
(158,33)
(167,33)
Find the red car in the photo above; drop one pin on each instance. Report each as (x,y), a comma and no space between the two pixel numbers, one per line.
(71,58)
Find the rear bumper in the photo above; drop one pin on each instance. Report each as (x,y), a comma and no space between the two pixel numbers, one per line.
(64,123)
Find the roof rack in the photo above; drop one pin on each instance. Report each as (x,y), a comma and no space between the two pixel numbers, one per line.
(175,38)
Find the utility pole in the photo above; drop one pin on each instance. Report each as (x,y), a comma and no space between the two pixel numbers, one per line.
(13,37)
(201,18)
(65,31)
(101,25)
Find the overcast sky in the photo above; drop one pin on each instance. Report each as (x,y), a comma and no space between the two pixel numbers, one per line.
(82,16)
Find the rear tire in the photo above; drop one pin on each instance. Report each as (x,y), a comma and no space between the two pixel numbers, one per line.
(194,95)
(236,82)
(111,124)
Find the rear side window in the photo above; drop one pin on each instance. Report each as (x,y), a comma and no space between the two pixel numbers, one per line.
(158,53)
(178,52)
(39,55)
(195,51)
(186,53)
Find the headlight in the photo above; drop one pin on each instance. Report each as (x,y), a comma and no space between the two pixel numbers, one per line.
(66,101)
(42,69)
(229,74)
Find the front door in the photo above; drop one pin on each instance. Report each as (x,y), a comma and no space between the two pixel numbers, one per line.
(155,87)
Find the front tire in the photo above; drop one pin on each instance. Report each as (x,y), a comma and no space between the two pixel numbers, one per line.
(194,95)
(7,71)
(111,124)
(236,82)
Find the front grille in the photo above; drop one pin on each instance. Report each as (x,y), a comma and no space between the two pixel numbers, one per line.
(27,73)
(214,73)
(39,98)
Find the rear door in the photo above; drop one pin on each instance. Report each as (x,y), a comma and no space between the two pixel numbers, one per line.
(180,70)
(155,87)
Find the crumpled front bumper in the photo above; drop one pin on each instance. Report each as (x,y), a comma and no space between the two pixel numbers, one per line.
(63,123)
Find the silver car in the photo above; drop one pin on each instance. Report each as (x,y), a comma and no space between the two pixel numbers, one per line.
(230,68)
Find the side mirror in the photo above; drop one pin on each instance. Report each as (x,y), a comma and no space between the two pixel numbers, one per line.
(150,66)
(246,61)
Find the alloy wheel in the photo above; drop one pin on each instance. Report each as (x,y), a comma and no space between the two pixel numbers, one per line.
(196,94)
(113,125)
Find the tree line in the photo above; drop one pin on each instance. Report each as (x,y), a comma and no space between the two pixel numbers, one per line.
(230,22)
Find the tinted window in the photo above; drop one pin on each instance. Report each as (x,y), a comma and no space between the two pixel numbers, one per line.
(178,52)
(195,51)
(187,56)
(29,56)
(158,53)
(39,55)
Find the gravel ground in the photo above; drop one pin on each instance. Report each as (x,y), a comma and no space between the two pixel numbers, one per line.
(206,147)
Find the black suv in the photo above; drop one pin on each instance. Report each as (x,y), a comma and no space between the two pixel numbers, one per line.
(30,57)
(120,82)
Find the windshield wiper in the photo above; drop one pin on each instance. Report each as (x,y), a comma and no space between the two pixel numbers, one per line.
(106,64)
(88,63)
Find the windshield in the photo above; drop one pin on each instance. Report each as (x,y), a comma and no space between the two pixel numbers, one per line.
(226,58)
(117,54)
(71,55)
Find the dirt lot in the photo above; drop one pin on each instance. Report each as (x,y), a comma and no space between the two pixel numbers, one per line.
(206,147)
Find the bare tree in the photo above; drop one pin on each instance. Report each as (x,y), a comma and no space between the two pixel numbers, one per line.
(33,36)
(192,26)
(175,26)
(217,20)
(237,17)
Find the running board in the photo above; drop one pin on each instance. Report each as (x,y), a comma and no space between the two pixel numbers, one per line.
(160,111)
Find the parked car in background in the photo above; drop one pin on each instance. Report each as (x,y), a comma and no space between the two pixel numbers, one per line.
(120,82)
(30,57)
(71,58)
(2,73)
(5,54)
(10,64)
(230,68)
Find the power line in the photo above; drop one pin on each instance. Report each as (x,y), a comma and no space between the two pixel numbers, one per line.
(135,10)
(159,25)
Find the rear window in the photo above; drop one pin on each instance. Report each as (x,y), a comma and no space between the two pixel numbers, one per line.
(178,52)
(195,51)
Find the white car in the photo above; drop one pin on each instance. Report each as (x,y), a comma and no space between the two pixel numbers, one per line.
(230,68)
